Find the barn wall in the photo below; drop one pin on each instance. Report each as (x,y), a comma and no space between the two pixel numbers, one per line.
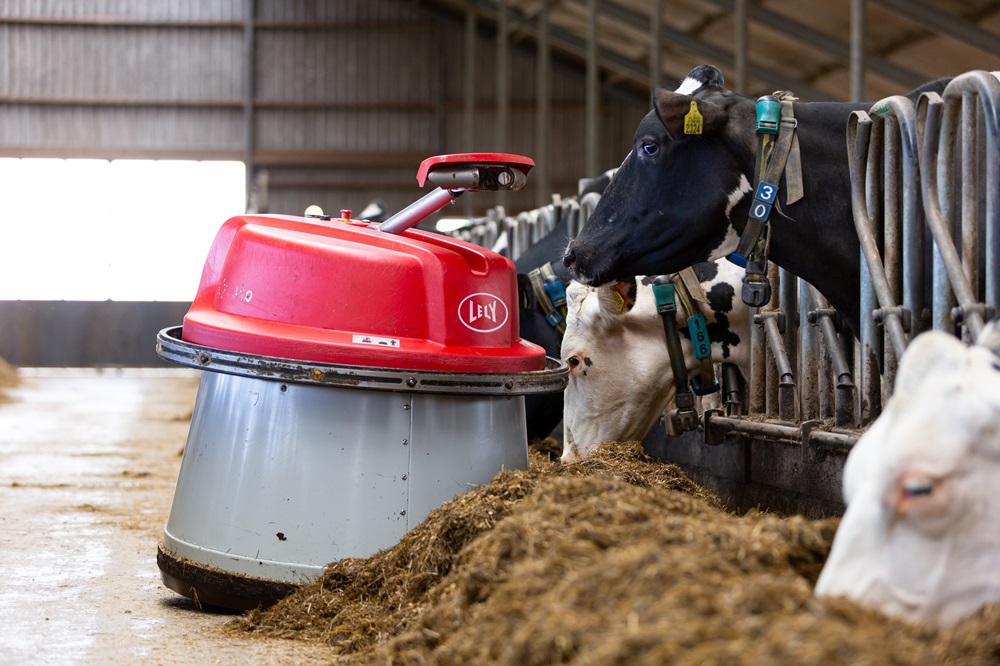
(348,97)
(85,333)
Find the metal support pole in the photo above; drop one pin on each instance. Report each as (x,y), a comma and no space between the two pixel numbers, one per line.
(543,110)
(788,295)
(857,50)
(591,161)
(249,92)
(469,89)
(823,316)
(740,55)
(503,83)
(809,359)
(469,80)
(656,45)
(757,389)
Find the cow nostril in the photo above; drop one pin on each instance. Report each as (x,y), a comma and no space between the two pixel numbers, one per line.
(569,259)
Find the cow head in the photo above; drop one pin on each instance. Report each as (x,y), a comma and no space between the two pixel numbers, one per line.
(620,378)
(671,203)
(920,538)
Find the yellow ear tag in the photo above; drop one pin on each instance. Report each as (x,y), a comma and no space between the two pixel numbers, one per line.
(620,300)
(693,121)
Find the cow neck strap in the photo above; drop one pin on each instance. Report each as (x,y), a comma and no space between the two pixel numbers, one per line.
(550,294)
(683,417)
(688,288)
(774,157)
(667,290)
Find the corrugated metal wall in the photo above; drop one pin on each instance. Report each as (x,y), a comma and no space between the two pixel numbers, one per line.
(348,95)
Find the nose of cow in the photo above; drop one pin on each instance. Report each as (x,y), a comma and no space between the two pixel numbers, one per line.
(569,259)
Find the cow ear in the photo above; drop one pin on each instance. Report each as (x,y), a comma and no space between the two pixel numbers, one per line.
(989,337)
(930,352)
(612,304)
(684,115)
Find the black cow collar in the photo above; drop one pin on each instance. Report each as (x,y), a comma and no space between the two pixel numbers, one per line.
(776,154)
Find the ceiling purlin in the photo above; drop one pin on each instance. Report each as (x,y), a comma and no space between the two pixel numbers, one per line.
(827,44)
(943,23)
(713,54)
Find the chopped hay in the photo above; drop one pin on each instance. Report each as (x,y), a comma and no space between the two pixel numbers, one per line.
(616,560)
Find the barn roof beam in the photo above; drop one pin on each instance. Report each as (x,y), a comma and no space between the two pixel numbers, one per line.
(711,53)
(821,41)
(943,23)
(566,41)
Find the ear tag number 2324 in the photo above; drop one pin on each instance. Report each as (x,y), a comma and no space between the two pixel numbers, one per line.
(693,121)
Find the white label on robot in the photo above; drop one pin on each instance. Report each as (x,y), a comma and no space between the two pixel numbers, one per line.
(373,340)
(482,312)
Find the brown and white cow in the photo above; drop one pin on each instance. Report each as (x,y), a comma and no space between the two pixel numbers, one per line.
(921,535)
(620,373)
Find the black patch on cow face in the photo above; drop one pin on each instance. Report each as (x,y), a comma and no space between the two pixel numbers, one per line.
(587,362)
(706,271)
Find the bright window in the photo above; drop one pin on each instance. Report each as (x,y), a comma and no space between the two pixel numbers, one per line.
(125,230)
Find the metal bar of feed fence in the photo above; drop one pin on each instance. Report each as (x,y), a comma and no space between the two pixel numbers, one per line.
(810,405)
(571,210)
(859,131)
(823,316)
(587,205)
(938,117)
(515,244)
(900,116)
(892,236)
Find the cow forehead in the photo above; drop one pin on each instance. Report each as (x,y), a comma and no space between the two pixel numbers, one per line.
(954,412)
(650,126)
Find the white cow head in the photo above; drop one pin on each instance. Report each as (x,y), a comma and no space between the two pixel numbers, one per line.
(921,535)
(620,378)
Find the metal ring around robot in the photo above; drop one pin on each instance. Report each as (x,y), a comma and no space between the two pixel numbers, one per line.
(170,347)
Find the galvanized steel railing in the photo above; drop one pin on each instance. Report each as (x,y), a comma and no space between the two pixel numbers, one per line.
(929,170)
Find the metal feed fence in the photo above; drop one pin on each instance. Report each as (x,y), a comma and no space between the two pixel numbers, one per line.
(925,188)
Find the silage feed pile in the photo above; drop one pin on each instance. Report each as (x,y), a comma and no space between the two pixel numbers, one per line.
(617,560)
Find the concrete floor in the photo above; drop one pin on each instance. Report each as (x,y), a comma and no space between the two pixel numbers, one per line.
(88,464)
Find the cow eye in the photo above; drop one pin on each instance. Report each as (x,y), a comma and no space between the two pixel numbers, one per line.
(573,361)
(650,148)
(917,487)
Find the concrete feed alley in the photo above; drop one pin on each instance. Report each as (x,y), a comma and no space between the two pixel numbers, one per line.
(88,464)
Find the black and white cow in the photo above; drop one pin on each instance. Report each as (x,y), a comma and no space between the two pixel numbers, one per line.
(682,199)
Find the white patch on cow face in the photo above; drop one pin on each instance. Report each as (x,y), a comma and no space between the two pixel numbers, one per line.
(920,538)
(688,86)
(732,239)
